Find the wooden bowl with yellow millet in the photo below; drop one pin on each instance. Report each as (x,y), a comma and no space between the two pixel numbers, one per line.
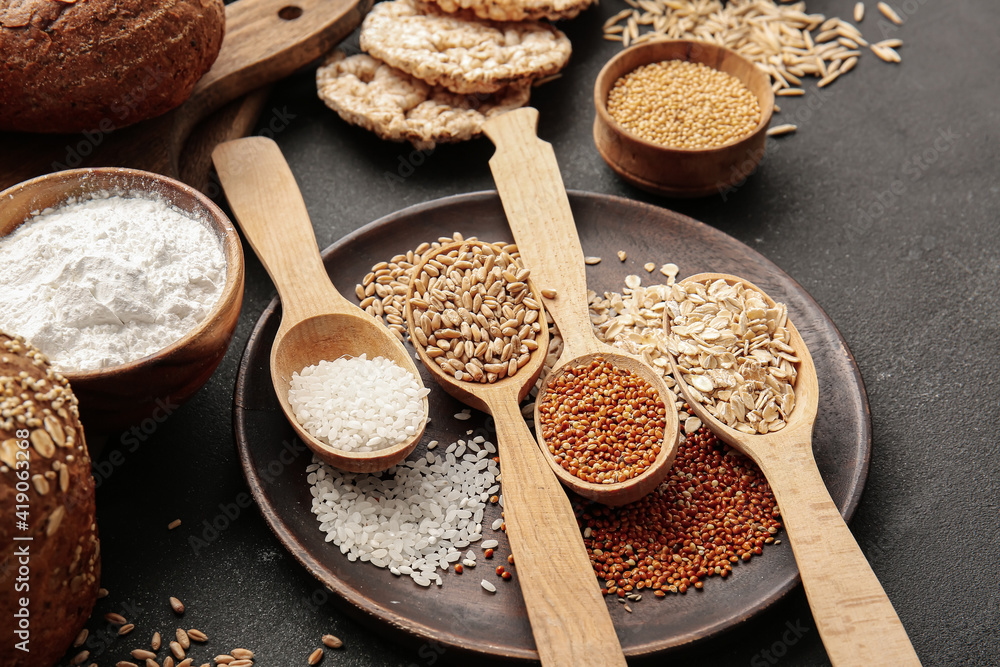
(707,157)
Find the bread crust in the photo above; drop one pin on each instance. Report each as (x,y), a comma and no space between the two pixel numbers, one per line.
(102,64)
(63,562)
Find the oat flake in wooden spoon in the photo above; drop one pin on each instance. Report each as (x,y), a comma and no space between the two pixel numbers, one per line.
(538,212)
(855,619)
(317,323)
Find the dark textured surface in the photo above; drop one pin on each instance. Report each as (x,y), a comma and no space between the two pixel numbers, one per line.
(912,287)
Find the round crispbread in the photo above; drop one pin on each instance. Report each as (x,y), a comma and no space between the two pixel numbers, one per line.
(464,56)
(399,107)
(517,10)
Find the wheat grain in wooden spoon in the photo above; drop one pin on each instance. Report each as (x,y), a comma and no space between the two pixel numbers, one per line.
(569,618)
(538,212)
(317,323)
(854,616)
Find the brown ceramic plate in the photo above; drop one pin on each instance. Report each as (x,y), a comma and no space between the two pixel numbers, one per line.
(459,614)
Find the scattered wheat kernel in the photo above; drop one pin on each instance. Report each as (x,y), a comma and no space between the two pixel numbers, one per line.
(173,524)
(176,605)
(177,650)
(331,641)
(548,293)
(316,656)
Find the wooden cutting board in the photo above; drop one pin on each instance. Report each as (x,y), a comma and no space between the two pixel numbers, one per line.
(266,40)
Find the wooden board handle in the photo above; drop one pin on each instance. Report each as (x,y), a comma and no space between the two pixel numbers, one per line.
(855,618)
(538,212)
(268,206)
(569,618)
(268,40)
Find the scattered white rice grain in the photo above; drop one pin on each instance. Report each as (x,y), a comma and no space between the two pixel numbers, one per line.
(488,586)
(490,544)
(432,444)
(468,562)
(411,519)
(462,416)
(358,404)
(497,524)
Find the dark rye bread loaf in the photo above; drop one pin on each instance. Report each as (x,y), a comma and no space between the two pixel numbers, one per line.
(48,585)
(101,64)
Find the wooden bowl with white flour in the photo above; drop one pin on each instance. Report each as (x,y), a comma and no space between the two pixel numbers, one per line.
(129,281)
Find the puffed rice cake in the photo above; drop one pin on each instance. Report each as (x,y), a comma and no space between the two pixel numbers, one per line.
(464,56)
(517,10)
(398,107)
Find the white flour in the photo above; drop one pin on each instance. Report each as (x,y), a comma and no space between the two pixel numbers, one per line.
(108,280)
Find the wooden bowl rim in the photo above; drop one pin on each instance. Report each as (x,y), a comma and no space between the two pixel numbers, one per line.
(218,221)
(374,461)
(600,101)
(616,494)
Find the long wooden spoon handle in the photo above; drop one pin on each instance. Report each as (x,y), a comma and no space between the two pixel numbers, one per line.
(855,618)
(269,208)
(538,212)
(569,618)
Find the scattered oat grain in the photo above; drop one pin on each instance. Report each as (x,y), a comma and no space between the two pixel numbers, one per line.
(889,13)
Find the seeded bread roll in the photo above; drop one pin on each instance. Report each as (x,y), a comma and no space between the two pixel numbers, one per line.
(48,583)
(101,64)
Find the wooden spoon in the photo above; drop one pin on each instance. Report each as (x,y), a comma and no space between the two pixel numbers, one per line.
(534,198)
(569,618)
(317,323)
(855,619)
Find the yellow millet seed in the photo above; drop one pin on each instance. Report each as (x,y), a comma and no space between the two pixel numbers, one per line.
(682,104)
